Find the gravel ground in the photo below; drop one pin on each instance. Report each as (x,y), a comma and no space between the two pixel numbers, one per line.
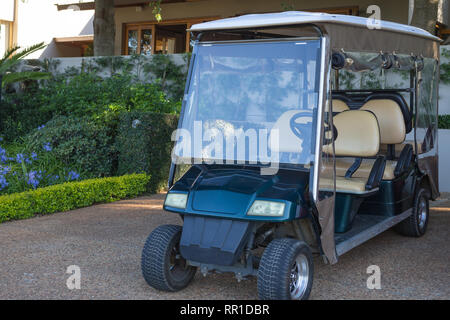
(105,241)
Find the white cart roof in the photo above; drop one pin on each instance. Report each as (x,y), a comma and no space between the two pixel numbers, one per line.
(301,17)
(346,32)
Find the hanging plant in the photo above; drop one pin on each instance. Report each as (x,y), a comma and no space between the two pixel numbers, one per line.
(156,9)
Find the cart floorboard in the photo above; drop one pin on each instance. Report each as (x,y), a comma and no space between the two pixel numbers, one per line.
(364,228)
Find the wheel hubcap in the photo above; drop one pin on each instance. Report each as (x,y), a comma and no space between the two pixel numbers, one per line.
(177,265)
(299,277)
(422,213)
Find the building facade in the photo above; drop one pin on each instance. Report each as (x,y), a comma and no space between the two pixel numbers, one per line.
(67,25)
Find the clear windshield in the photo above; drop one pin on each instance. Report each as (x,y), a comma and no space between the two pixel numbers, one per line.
(252,102)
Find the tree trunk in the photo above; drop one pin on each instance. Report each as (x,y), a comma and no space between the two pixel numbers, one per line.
(425,15)
(104,28)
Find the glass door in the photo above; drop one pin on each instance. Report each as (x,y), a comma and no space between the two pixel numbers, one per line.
(139,39)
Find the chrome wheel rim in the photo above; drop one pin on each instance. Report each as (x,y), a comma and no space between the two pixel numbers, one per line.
(299,277)
(422,213)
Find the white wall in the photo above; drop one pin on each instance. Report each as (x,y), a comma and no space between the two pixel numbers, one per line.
(444,160)
(39,20)
(7,10)
(444,89)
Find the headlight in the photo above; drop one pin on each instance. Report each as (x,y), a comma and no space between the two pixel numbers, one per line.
(176,200)
(266,208)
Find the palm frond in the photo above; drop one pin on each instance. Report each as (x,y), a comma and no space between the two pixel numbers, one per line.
(24,75)
(14,56)
(9,53)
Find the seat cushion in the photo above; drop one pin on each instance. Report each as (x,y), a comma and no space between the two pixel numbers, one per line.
(353,185)
(343,164)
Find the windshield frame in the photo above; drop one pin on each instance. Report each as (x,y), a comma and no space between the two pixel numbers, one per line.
(192,65)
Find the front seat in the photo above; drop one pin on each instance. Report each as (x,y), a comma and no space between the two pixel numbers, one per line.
(358,137)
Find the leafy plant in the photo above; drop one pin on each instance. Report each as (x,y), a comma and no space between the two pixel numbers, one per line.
(172,77)
(444,121)
(11,58)
(150,135)
(77,142)
(22,170)
(156,10)
(445,67)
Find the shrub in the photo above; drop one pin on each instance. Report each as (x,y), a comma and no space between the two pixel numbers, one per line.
(70,195)
(19,114)
(78,142)
(144,145)
(88,94)
(172,76)
(444,121)
(80,94)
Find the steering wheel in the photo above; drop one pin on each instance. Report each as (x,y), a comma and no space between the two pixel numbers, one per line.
(326,130)
(301,130)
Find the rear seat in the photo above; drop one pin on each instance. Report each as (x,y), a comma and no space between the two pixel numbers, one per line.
(391,120)
(392,130)
(358,136)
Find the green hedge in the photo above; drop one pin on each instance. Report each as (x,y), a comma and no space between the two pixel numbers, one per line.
(70,195)
(444,121)
(144,144)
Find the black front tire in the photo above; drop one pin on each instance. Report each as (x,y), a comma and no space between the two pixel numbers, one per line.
(416,224)
(281,261)
(162,265)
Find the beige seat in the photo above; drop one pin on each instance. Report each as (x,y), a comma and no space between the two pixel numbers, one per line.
(390,119)
(339,106)
(358,136)
(392,131)
(343,164)
(392,128)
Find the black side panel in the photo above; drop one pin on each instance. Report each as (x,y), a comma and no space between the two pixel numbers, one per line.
(213,241)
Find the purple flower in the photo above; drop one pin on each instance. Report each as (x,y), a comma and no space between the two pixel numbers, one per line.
(41,127)
(73,175)
(4,170)
(3,182)
(33,156)
(33,179)
(3,157)
(19,158)
(47,147)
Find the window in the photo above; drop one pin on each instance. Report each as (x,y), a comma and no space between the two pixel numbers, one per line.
(165,37)
(139,39)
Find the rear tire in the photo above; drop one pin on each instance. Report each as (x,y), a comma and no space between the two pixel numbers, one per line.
(285,271)
(416,224)
(162,265)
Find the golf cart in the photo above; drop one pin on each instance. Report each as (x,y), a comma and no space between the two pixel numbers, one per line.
(301,134)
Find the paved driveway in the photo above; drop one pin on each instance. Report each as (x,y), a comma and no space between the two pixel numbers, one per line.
(105,241)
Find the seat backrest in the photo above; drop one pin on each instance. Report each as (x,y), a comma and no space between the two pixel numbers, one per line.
(390,119)
(401,102)
(358,134)
(339,106)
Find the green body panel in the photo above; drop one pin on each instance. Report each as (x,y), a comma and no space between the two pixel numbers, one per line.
(229,191)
